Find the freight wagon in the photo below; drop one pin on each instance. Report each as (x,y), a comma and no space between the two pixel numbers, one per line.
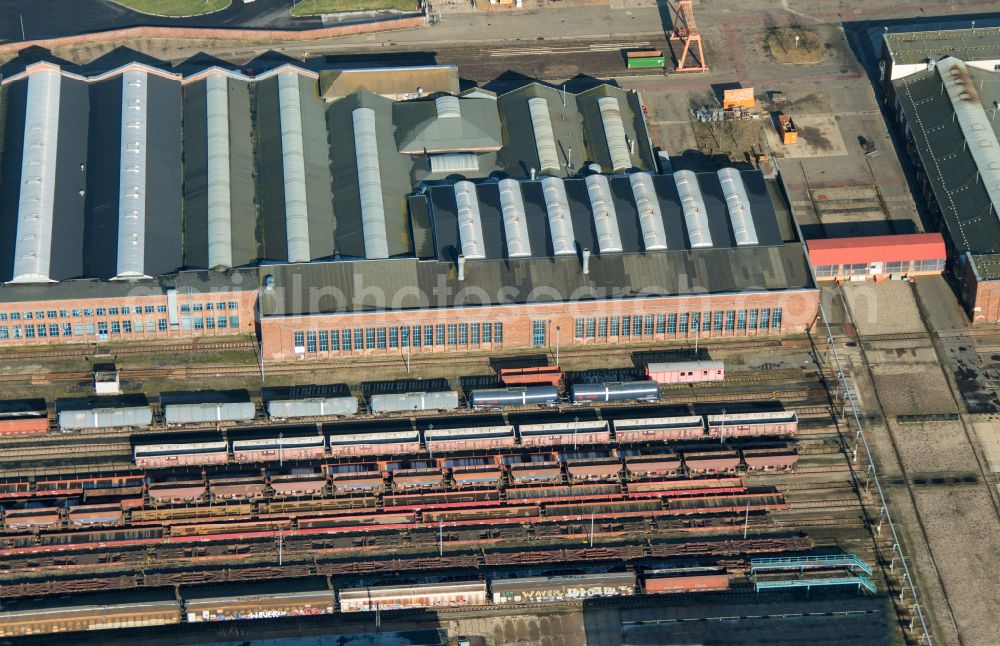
(309,401)
(21,617)
(646,391)
(659,584)
(537,375)
(400,402)
(181,454)
(686,372)
(565,433)
(469,439)
(712,461)
(298,483)
(258,600)
(644,58)
(753,424)
(246,487)
(207,407)
(375,443)
(173,491)
(23,417)
(659,429)
(496,398)
(75,414)
(431,595)
(562,588)
(770,459)
(278,446)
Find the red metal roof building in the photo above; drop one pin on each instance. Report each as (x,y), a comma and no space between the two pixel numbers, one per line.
(877,257)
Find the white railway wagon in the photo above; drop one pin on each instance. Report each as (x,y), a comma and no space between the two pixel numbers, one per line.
(104,412)
(207,407)
(310,401)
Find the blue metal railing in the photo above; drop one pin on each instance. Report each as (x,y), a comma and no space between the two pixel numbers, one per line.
(804,562)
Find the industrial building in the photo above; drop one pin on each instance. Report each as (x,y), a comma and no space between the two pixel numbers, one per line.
(944,89)
(370,211)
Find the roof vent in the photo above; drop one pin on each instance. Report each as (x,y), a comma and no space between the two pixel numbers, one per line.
(447,107)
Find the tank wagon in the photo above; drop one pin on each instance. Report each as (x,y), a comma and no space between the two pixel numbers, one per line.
(330,400)
(495,398)
(207,407)
(120,411)
(646,391)
(23,417)
(686,372)
(424,400)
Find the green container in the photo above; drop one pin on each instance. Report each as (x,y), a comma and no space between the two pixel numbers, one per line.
(636,63)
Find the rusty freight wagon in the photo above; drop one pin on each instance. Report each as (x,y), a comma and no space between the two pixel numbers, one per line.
(659,429)
(139,608)
(469,439)
(277,445)
(177,454)
(429,595)
(565,433)
(712,461)
(23,417)
(562,588)
(779,423)
(534,376)
(769,459)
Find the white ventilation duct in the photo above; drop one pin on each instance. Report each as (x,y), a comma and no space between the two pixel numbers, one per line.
(609,238)
(132,176)
(33,249)
(515,224)
(560,224)
(293,168)
(739,206)
(614,131)
(454,163)
(654,237)
(370,183)
(545,140)
(977,128)
(695,213)
(220,208)
(447,107)
(470,225)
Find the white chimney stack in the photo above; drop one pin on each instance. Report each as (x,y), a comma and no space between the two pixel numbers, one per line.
(532,174)
(461,267)
(586,260)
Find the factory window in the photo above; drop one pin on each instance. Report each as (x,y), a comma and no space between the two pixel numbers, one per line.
(346,339)
(394,337)
(100,311)
(578,329)
(429,334)
(381,339)
(52,314)
(682,323)
(636,326)
(404,336)
(3,316)
(299,341)
(4,332)
(18,333)
(234,321)
(741,321)
(474,333)
(149,309)
(463,333)
(776,318)
(695,321)
(64,314)
(452,334)
(672,324)
(116,327)
(498,332)
(661,323)
(77,329)
(210,322)
(615,322)
(310,341)
(648,325)
(753,319)
(159,308)
(161,325)
(39,315)
(717,322)
(15,316)
(370,338)
(416,336)
(196,307)
(487,332)
(826,271)
(233,305)
(220,322)
(29,331)
(538,333)
(334,340)
(209,306)
(199,323)
(102,330)
(602,328)
(439,334)
(112,311)
(765,316)
(706,321)
(28,316)
(127,327)
(41,331)
(126,310)
(591,328)
(53,329)
(626,325)
(730,320)
(67,329)
(359,338)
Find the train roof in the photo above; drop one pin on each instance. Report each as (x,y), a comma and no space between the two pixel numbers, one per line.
(262,589)
(204,397)
(77,600)
(467,433)
(401,386)
(521,583)
(763,417)
(181,449)
(307,392)
(132,400)
(14,408)
(562,427)
(667,366)
(243,433)
(659,422)
(386,437)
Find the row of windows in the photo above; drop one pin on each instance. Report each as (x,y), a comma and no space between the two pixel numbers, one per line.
(397,337)
(675,323)
(103,328)
(895,267)
(124,310)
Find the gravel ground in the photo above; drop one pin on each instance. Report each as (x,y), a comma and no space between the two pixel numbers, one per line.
(883,308)
(926,448)
(912,389)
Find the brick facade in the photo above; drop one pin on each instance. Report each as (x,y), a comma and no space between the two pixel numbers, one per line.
(537,326)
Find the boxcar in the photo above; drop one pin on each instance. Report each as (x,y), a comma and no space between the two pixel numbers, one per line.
(279,447)
(565,433)
(779,423)
(562,588)
(469,439)
(524,396)
(399,402)
(429,595)
(207,407)
(659,429)
(375,443)
(655,584)
(181,454)
(104,412)
(258,600)
(88,612)
(686,372)
(23,417)
(647,391)
(309,401)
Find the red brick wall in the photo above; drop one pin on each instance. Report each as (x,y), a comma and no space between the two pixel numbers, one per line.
(981,300)
(799,310)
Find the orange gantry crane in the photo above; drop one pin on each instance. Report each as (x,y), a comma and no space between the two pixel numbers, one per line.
(686,30)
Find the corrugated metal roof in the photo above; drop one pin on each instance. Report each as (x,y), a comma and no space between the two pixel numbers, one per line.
(454,163)
(614,132)
(466,125)
(370,183)
(545,141)
(132,177)
(738,204)
(220,208)
(294,171)
(868,249)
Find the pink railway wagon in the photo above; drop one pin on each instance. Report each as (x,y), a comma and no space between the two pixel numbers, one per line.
(178,455)
(712,461)
(659,429)
(686,372)
(779,423)
(773,459)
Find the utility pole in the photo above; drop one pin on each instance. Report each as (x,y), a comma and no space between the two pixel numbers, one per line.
(441,538)
(21,18)
(558,328)
(281,453)
(591,528)
(746,521)
(722,429)
(281,546)
(407,359)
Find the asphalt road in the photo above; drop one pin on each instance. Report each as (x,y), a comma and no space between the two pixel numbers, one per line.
(50,18)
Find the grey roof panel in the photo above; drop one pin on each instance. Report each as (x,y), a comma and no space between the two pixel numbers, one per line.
(68,224)
(220,208)
(163,253)
(316,156)
(293,167)
(241,179)
(103,173)
(270,171)
(133,170)
(15,97)
(195,174)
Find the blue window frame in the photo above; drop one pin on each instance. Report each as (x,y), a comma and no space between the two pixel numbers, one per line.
(538,334)
(672,324)
(324,341)
(381,338)
(394,337)
(498,332)
(717,322)
(311,341)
